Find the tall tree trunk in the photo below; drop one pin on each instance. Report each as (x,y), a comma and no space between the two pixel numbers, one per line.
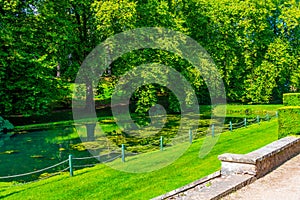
(89,101)
(90,130)
(90,109)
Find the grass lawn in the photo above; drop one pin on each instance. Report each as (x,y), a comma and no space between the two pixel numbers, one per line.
(103,182)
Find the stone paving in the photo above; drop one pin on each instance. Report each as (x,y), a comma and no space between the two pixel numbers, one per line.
(281,184)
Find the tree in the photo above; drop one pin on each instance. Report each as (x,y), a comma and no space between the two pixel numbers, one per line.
(45,43)
(28,83)
(239,36)
(114,17)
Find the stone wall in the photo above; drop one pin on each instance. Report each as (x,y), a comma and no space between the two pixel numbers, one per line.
(237,171)
(260,162)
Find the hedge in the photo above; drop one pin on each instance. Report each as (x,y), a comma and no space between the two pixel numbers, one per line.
(289,121)
(291,99)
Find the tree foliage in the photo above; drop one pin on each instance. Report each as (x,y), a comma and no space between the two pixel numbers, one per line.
(255,45)
(28,82)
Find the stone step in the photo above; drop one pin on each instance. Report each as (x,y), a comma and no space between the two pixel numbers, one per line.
(216,188)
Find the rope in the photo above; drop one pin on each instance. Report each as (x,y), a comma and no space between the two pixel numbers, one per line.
(235,125)
(53,174)
(226,125)
(239,126)
(180,137)
(64,169)
(251,120)
(34,172)
(266,118)
(200,133)
(119,156)
(131,154)
(176,140)
(80,166)
(109,154)
(85,158)
(227,128)
(239,123)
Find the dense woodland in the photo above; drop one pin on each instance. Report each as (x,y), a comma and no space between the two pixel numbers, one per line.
(255,45)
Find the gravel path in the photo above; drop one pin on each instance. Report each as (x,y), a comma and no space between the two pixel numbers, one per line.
(281,184)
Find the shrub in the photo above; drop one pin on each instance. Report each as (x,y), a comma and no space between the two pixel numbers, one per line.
(291,99)
(289,121)
(5,125)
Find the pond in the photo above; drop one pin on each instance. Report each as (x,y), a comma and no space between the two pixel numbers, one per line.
(28,151)
(33,150)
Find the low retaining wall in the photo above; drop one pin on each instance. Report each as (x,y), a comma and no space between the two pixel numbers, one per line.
(260,162)
(238,170)
(189,186)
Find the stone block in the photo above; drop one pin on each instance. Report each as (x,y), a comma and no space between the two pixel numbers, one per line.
(261,161)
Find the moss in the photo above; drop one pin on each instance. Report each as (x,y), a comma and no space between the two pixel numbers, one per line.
(62,149)
(37,156)
(10,152)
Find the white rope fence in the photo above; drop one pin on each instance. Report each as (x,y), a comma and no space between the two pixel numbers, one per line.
(34,172)
(70,166)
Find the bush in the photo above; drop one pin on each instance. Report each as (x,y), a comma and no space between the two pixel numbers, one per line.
(289,121)
(291,99)
(5,125)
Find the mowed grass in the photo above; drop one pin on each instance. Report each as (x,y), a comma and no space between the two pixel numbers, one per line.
(103,182)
